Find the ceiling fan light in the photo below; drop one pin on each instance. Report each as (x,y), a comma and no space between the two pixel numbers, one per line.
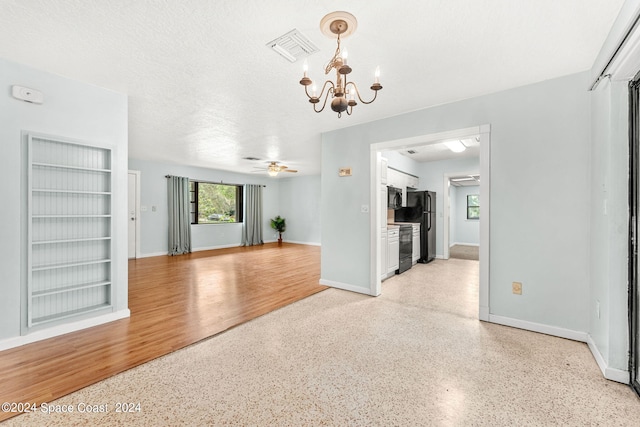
(272,172)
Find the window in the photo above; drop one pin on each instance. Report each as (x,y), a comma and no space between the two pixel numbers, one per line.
(473,206)
(215,203)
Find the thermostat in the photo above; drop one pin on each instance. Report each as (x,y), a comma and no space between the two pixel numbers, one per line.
(27,94)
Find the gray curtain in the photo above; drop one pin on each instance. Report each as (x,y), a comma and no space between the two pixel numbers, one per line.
(252,225)
(179,216)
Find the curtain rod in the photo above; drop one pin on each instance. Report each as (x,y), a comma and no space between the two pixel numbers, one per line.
(225,183)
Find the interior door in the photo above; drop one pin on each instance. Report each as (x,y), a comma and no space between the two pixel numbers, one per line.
(132,213)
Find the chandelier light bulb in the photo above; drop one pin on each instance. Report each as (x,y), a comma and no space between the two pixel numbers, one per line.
(314,90)
(305,67)
(377,74)
(345,54)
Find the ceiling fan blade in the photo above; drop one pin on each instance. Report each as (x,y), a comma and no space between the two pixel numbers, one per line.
(290,170)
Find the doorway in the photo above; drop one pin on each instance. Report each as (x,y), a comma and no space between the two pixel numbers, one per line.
(378,219)
(133,214)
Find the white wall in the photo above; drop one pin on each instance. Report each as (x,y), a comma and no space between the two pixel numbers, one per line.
(71,110)
(527,123)
(463,231)
(608,329)
(302,223)
(300,204)
(402,163)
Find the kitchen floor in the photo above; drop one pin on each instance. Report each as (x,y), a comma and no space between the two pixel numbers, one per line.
(416,355)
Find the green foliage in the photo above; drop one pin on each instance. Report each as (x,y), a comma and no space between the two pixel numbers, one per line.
(278,224)
(216,203)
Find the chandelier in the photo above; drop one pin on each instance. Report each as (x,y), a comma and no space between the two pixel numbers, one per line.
(343,92)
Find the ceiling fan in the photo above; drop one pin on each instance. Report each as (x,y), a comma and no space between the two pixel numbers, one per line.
(274,168)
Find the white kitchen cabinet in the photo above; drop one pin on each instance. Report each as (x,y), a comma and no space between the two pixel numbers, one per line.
(384,163)
(415,255)
(412,182)
(393,249)
(392,178)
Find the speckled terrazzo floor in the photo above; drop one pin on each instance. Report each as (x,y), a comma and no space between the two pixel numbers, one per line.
(417,355)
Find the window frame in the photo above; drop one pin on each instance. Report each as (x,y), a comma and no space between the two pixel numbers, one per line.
(473,218)
(194,202)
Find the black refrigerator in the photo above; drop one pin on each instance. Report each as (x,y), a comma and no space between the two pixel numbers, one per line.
(421,208)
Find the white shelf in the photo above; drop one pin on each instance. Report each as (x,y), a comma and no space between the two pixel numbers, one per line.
(71,216)
(71,313)
(88,239)
(68,264)
(46,190)
(68,276)
(78,168)
(70,288)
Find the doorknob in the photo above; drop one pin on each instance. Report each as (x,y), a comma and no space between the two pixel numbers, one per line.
(133,219)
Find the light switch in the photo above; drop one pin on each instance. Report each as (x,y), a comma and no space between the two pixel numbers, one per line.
(143,208)
(153,208)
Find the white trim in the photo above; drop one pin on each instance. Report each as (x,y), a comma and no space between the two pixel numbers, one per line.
(346,286)
(464,244)
(612,374)
(137,214)
(485,185)
(302,243)
(210,248)
(153,254)
(539,327)
(63,329)
(483,313)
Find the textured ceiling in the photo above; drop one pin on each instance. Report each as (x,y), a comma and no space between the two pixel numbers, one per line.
(204,90)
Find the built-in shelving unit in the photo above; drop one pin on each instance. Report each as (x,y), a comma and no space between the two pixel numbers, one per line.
(69,230)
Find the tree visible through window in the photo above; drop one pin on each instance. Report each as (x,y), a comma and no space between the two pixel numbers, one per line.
(215,203)
(473,206)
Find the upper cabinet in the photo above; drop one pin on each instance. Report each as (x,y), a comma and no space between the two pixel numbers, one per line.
(401,180)
(384,163)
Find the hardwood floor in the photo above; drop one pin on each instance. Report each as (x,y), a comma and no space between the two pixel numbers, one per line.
(174,302)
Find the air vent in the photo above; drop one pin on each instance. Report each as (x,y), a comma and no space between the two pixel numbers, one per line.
(293,46)
(411,151)
(251,158)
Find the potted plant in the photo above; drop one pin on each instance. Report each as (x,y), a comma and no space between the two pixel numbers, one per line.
(278,223)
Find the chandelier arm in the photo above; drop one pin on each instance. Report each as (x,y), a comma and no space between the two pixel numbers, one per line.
(324,104)
(375,93)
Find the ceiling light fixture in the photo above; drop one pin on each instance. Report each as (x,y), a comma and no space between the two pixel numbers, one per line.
(343,92)
(455,146)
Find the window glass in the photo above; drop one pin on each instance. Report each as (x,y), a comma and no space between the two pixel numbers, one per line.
(215,203)
(473,206)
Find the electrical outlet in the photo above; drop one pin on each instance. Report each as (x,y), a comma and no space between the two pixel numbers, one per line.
(516,288)
(364,208)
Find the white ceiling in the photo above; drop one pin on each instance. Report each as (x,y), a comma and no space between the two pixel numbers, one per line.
(204,90)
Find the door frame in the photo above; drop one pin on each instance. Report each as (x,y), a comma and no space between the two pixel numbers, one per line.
(634,175)
(137,213)
(446,209)
(484,131)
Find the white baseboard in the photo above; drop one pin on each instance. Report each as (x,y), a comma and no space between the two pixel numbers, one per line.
(346,287)
(62,329)
(539,327)
(302,243)
(464,244)
(612,374)
(153,254)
